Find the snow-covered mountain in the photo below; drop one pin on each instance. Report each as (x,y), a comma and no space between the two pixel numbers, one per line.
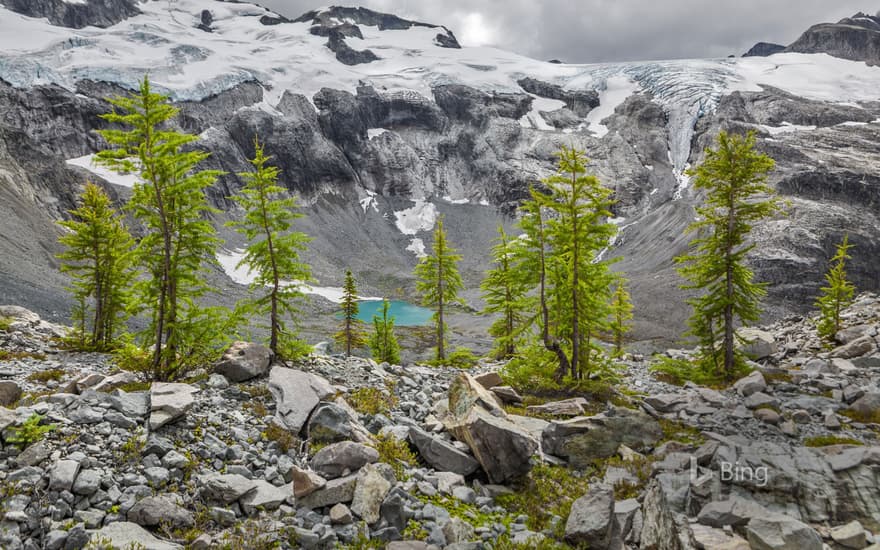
(383,124)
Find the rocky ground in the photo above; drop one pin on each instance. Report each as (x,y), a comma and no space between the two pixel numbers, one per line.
(333,451)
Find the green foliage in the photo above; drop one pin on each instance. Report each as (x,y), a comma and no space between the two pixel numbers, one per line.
(504,291)
(178,241)
(439,282)
(395,453)
(837,295)
(273,251)
(363,542)
(98,258)
(257,534)
(621,315)
(545,492)
(504,542)
(6,355)
(566,232)
(5,323)
(684,433)
(461,358)
(681,371)
(383,342)
(826,440)
(872,417)
(414,531)
(368,400)
(351,333)
(30,431)
(533,369)
(281,436)
(130,451)
(733,176)
(46,375)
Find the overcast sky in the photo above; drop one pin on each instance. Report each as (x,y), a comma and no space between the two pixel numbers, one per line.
(586,31)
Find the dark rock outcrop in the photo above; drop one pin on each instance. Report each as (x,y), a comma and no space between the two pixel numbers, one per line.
(580,101)
(764,49)
(345,53)
(329,19)
(856,38)
(92,13)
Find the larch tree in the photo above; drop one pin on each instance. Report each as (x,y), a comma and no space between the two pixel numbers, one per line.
(272,252)
(383,342)
(621,315)
(504,291)
(734,176)
(838,295)
(351,332)
(178,241)
(438,283)
(97,255)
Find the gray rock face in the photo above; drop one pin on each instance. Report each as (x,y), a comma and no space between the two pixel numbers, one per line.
(764,49)
(778,532)
(122,534)
(329,19)
(296,393)
(592,518)
(581,102)
(243,361)
(442,455)
(97,13)
(335,460)
(856,38)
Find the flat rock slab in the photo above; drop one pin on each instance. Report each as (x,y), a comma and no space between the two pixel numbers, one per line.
(243,361)
(227,488)
(442,455)
(124,534)
(296,394)
(169,401)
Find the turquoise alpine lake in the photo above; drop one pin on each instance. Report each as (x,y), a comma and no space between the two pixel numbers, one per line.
(405,314)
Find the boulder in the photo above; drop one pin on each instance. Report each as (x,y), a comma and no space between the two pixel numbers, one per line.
(489,379)
(340,514)
(7,418)
(753,383)
(305,482)
(457,531)
(507,395)
(666,402)
(226,488)
(341,458)
(592,518)
(243,361)
(10,393)
(566,407)
(442,455)
(856,348)
(123,534)
(735,511)
(296,394)
(851,535)
(169,401)
(63,474)
(867,406)
(373,483)
(781,532)
(465,393)
(756,344)
(334,422)
(335,491)
(585,439)
(159,510)
(265,496)
(659,531)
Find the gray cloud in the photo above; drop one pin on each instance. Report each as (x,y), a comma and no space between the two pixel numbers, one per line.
(588,31)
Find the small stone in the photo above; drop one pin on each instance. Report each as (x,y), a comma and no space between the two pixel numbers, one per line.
(63,474)
(340,514)
(851,535)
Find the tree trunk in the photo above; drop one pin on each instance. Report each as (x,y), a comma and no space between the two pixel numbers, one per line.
(575,294)
(728,308)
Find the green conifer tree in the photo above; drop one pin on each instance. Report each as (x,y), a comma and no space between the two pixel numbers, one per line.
(272,252)
(98,257)
(351,333)
(621,315)
(733,176)
(837,296)
(383,342)
(179,240)
(504,290)
(439,282)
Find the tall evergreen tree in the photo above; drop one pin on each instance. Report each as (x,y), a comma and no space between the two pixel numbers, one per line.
(383,342)
(838,295)
(576,232)
(273,250)
(621,315)
(98,257)
(504,290)
(179,240)
(351,333)
(439,282)
(733,176)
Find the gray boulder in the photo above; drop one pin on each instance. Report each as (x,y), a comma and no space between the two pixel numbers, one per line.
(123,534)
(63,474)
(265,496)
(373,483)
(296,394)
(851,535)
(735,511)
(243,361)
(340,458)
(335,491)
(226,488)
(756,344)
(442,455)
(592,518)
(781,532)
(305,482)
(162,509)
(169,401)
(10,392)
(753,383)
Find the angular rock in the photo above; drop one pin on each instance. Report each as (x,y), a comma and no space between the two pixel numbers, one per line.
(780,532)
(296,394)
(243,361)
(123,534)
(465,393)
(867,406)
(305,482)
(592,519)
(666,402)
(857,348)
(340,514)
(851,535)
(226,488)
(265,496)
(87,483)
(442,455)
(735,511)
(756,344)
(10,393)
(566,407)
(158,510)
(753,383)
(330,423)
(457,531)
(760,399)
(489,379)
(336,490)
(373,483)
(507,394)
(169,401)
(63,474)
(339,458)
(659,531)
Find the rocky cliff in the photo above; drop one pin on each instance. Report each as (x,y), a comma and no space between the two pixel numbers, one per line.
(379,148)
